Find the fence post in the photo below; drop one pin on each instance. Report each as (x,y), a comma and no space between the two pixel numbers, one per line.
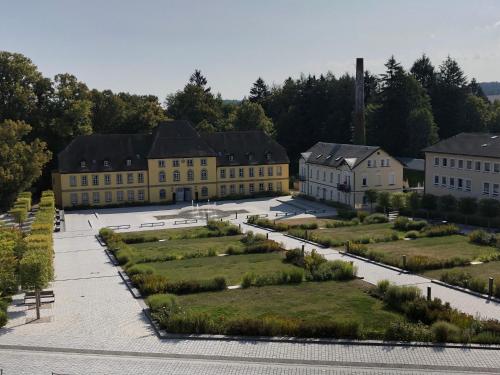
(236,214)
(267,236)
(347,244)
(239,227)
(490,286)
(429,293)
(404,261)
(303,250)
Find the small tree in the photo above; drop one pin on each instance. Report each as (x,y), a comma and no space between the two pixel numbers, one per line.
(398,201)
(447,203)
(429,202)
(20,214)
(467,206)
(489,208)
(35,274)
(414,202)
(384,200)
(371,196)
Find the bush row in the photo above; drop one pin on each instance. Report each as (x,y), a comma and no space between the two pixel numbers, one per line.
(465,280)
(21,207)
(150,283)
(295,276)
(278,226)
(331,242)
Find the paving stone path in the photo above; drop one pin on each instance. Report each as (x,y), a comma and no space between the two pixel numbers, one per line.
(96,327)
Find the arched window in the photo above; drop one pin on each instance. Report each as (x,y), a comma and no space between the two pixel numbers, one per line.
(190,175)
(177,176)
(204,174)
(163,194)
(161,176)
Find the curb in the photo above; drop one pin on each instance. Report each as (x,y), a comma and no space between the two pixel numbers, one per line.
(99,239)
(111,257)
(465,290)
(392,268)
(259,227)
(130,288)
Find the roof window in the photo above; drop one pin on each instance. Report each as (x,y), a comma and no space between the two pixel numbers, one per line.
(320,155)
(83,164)
(328,157)
(129,162)
(106,163)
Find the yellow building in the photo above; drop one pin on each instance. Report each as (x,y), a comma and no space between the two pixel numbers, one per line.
(175,163)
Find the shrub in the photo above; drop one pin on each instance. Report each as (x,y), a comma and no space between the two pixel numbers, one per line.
(361,215)
(266,223)
(313,260)
(445,332)
(162,303)
(247,280)
(440,230)
(400,223)
(382,286)
(196,286)
(482,237)
(346,214)
(140,269)
(150,283)
(266,246)
(342,223)
(376,219)
(231,250)
(333,270)
(416,225)
(189,322)
(3,318)
(396,295)
(404,331)
(295,256)
(308,226)
(412,234)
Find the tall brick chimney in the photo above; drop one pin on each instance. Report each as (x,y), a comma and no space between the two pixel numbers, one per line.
(359,131)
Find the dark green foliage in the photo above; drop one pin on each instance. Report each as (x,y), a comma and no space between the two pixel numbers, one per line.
(295,276)
(467,205)
(346,214)
(482,237)
(429,202)
(375,219)
(464,280)
(447,203)
(402,223)
(333,270)
(412,234)
(445,332)
(405,331)
(440,230)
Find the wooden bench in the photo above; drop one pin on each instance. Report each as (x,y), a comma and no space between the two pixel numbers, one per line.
(46,296)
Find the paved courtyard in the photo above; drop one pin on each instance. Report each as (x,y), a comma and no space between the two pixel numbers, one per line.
(96,327)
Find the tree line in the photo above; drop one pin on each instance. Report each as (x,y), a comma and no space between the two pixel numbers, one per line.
(406,110)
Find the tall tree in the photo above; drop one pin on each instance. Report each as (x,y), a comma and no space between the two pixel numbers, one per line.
(199,80)
(251,116)
(424,72)
(21,163)
(259,91)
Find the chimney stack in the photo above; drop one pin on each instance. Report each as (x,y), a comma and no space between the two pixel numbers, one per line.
(359,132)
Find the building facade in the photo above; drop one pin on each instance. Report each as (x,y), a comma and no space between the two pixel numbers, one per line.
(343,172)
(175,163)
(466,165)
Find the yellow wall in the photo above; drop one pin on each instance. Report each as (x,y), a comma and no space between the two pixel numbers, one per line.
(151,185)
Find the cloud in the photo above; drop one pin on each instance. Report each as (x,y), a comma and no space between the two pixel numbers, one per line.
(496,24)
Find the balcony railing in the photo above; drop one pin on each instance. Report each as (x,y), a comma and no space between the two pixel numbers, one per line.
(344,187)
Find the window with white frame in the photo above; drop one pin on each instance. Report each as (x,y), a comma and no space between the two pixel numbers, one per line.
(95,180)
(382,163)
(452,163)
(190,175)
(452,182)
(444,162)
(130,178)
(460,164)
(83,164)
(175,163)
(487,166)
(223,190)
(106,163)
(251,172)
(161,163)
(495,190)
(477,166)
(130,195)
(119,179)
(279,170)
(203,162)
(85,198)
(107,179)
(261,171)
(108,197)
(392,179)
(486,188)
(74,198)
(468,164)
(241,172)
(468,185)
(270,171)
(436,161)
(140,195)
(190,162)
(129,162)
(496,167)
(119,196)
(443,181)
(364,181)
(177,176)
(369,163)
(163,194)
(278,186)
(232,173)
(232,189)
(222,173)
(251,188)
(241,189)
(270,186)
(204,191)
(261,186)
(204,174)
(83,181)
(460,183)
(140,177)
(72,180)
(436,180)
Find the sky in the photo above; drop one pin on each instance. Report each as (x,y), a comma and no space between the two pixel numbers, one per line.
(152,46)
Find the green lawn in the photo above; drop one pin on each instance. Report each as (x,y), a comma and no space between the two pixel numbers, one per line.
(441,248)
(481,271)
(152,250)
(307,301)
(233,267)
(355,232)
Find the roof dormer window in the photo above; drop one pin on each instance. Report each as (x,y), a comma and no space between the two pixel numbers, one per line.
(250,156)
(129,162)
(268,155)
(106,163)
(83,164)
(230,157)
